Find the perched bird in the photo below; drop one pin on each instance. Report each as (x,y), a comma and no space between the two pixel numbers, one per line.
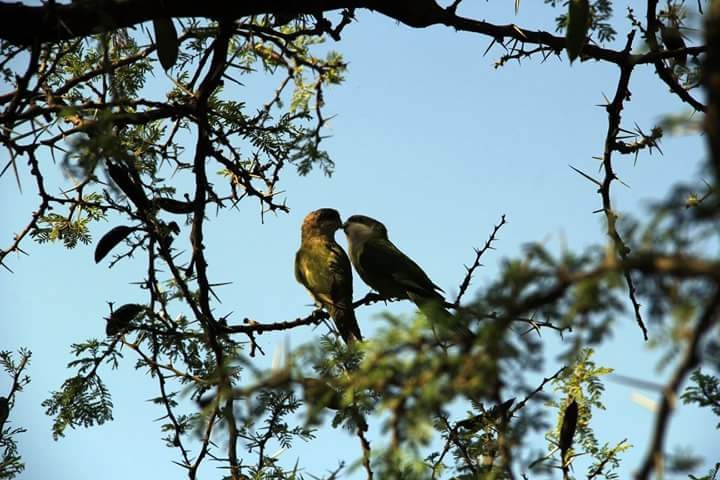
(322,266)
(385,268)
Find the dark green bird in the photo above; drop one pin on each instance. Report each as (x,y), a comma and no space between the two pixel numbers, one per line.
(385,268)
(322,266)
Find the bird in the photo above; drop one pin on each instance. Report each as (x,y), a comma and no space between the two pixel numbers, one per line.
(388,270)
(323,268)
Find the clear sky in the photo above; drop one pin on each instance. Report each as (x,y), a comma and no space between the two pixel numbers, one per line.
(429,139)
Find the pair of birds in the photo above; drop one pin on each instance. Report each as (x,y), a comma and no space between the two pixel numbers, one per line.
(323,267)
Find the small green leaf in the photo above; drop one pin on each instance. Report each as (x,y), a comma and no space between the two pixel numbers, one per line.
(167,42)
(110,241)
(577,27)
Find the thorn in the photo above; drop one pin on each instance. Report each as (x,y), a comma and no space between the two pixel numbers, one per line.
(587,176)
(489,47)
(519,31)
(618,179)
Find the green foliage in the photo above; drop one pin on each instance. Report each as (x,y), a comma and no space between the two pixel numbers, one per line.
(54,227)
(83,400)
(269,423)
(600,14)
(11,463)
(705,392)
(582,384)
(74,228)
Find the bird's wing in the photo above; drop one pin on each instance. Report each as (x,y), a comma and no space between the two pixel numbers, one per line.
(324,270)
(380,255)
(300,266)
(341,271)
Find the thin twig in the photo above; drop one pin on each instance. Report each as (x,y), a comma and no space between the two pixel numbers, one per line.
(476,263)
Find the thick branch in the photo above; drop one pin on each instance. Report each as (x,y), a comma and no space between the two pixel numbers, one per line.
(688,363)
(21,24)
(711,79)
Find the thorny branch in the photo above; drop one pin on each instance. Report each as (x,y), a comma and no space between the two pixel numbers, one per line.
(476,263)
(366,451)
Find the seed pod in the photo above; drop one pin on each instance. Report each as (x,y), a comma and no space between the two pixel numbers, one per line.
(128,181)
(110,241)
(167,42)
(175,206)
(569,424)
(577,27)
(4,411)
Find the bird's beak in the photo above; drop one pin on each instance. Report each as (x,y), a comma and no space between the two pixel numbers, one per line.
(344,226)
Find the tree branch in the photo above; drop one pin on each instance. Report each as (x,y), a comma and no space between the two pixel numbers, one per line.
(690,360)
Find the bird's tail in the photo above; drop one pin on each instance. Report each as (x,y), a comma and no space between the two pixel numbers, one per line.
(346,323)
(434,309)
(433,306)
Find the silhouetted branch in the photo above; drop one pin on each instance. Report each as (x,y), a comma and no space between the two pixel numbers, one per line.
(476,263)
(614,110)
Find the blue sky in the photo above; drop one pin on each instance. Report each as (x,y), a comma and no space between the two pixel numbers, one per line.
(428,138)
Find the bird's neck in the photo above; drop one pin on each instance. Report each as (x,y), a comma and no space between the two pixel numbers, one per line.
(358,237)
(311,235)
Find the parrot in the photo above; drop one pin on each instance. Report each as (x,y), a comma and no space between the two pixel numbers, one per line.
(386,269)
(323,268)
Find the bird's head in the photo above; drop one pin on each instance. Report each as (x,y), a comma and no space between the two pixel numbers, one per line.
(359,228)
(321,222)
